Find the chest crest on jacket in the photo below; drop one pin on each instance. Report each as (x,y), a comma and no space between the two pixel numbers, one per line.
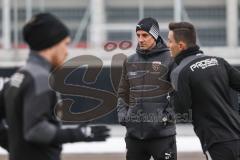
(156,65)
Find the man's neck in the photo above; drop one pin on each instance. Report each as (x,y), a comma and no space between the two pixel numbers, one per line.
(154,45)
(46,54)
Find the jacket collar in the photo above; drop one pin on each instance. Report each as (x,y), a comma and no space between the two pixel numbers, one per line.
(186,53)
(159,48)
(37,59)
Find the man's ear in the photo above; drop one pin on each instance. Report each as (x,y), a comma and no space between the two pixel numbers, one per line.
(182,45)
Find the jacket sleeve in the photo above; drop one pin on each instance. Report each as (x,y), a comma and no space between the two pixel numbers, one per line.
(234,80)
(2,110)
(3,84)
(38,126)
(123,96)
(181,97)
(3,125)
(36,112)
(234,76)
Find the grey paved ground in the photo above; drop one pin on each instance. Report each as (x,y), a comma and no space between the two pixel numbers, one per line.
(119,131)
(182,130)
(181,156)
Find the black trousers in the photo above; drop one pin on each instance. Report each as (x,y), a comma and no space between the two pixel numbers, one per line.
(224,151)
(160,149)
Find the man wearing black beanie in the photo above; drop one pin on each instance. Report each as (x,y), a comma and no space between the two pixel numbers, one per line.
(34,132)
(143,97)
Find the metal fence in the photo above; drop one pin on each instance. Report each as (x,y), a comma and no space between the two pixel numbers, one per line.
(94,22)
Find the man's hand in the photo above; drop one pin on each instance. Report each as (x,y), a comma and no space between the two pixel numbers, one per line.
(95,133)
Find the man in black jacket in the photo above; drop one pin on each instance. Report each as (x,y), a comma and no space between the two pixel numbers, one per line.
(203,84)
(143,105)
(34,131)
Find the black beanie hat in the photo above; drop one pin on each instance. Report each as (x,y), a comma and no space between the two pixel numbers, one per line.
(43,31)
(149,25)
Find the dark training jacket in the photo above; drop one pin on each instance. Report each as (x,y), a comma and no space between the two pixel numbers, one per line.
(34,131)
(3,125)
(204,84)
(143,106)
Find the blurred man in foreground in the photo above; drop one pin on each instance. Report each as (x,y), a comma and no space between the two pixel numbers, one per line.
(34,131)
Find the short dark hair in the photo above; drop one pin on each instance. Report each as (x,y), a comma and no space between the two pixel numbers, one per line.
(183,31)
